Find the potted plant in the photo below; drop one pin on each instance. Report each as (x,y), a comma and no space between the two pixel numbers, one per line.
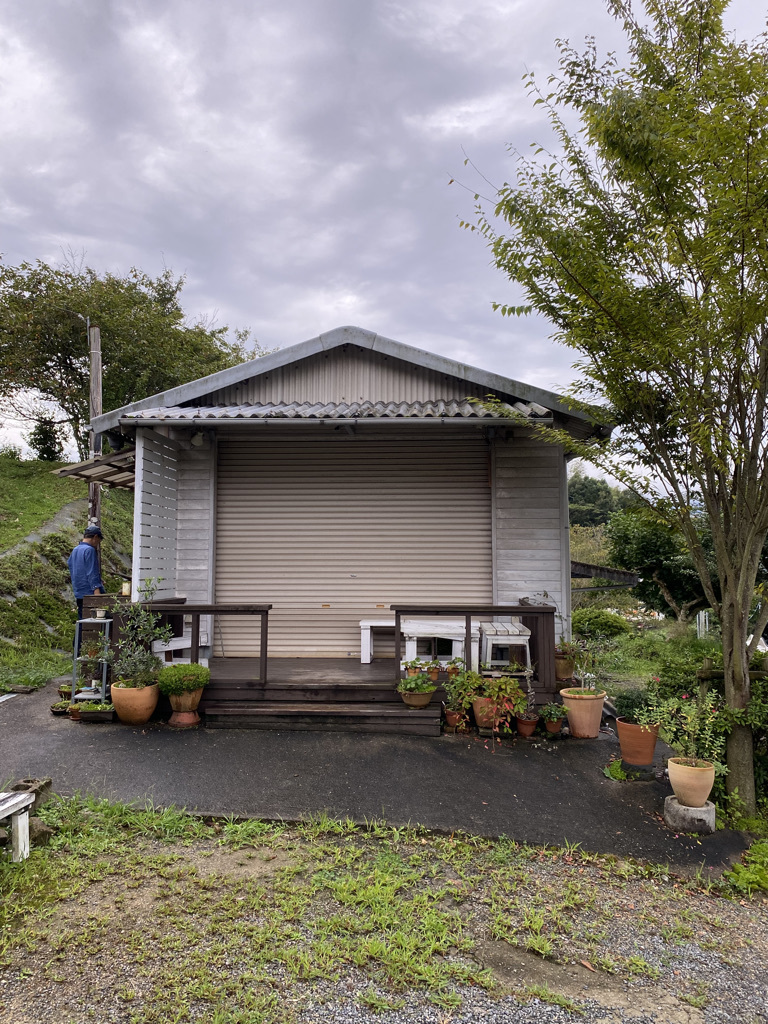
(459,690)
(432,668)
(528,719)
(496,699)
(566,656)
(584,706)
(183,685)
(553,715)
(134,663)
(61,707)
(414,668)
(637,724)
(454,667)
(690,724)
(417,690)
(96,711)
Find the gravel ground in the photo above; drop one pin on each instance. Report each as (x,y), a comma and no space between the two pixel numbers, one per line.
(633,946)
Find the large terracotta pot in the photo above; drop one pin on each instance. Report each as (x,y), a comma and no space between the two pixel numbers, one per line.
(564,667)
(692,785)
(133,706)
(585,711)
(483,708)
(638,742)
(184,706)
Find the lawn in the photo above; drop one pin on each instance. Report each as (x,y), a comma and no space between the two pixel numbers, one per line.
(145,917)
(30,495)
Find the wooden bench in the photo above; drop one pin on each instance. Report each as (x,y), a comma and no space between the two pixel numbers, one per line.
(16,807)
(504,634)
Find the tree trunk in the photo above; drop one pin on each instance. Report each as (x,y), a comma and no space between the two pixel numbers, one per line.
(739,744)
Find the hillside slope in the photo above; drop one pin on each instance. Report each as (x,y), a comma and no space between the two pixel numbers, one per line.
(37,609)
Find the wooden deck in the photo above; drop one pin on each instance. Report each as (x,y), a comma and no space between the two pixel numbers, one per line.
(334,694)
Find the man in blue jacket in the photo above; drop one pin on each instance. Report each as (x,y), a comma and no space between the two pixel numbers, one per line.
(84,569)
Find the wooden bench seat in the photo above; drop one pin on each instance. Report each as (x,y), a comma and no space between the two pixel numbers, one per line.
(16,807)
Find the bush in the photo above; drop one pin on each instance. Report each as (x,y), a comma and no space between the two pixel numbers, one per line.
(594,622)
(176,679)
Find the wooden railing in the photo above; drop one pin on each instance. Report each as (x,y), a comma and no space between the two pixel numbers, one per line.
(196,610)
(540,619)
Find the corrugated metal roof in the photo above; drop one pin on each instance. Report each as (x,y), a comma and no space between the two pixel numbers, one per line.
(335,410)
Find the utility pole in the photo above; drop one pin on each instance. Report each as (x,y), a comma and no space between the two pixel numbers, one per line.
(94,489)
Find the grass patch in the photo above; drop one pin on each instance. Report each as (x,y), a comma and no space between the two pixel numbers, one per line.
(30,495)
(241,921)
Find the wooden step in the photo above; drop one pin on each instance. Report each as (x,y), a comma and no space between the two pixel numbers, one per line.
(339,717)
(344,691)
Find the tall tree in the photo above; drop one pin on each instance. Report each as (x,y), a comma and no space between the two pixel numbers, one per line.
(644,240)
(148,345)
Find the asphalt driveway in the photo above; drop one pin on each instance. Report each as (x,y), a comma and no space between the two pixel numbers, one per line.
(531,791)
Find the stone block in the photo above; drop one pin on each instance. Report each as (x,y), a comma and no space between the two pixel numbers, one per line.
(689,819)
(39,833)
(40,787)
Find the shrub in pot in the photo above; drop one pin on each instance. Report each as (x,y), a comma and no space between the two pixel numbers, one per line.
(417,690)
(691,725)
(528,718)
(183,685)
(459,690)
(637,724)
(134,664)
(553,715)
(495,700)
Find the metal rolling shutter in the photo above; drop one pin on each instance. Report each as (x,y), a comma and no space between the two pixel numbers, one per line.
(333,528)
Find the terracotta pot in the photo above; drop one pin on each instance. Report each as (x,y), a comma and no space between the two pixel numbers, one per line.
(434,674)
(555,726)
(564,667)
(184,707)
(692,785)
(638,742)
(412,671)
(417,700)
(454,718)
(74,714)
(585,711)
(527,726)
(483,708)
(135,707)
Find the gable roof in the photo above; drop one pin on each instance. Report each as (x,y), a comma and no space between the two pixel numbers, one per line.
(162,406)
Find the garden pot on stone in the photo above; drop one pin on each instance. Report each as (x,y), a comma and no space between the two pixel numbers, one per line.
(691,779)
(637,742)
(584,709)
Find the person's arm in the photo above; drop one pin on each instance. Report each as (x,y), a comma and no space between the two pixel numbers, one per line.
(94,575)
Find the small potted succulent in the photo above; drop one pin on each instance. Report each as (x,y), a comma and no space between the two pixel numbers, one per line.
(416,690)
(183,685)
(553,715)
(61,707)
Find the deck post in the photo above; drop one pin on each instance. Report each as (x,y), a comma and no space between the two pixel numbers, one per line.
(398,648)
(195,653)
(263,648)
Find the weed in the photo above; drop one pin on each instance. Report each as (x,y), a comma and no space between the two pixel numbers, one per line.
(545,994)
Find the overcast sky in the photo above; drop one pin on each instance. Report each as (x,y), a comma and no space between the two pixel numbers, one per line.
(291,157)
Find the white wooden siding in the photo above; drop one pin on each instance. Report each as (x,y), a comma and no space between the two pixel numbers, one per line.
(154,522)
(347,374)
(530,536)
(331,528)
(195,510)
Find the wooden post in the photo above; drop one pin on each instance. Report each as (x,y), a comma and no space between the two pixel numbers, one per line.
(94,489)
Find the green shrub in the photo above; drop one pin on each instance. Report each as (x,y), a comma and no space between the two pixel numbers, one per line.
(629,702)
(593,622)
(176,679)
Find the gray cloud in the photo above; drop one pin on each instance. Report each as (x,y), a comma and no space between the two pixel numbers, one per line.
(292,157)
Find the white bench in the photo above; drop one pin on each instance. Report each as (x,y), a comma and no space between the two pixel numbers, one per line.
(448,629)
(367,626)
(16,807)
(504,634)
